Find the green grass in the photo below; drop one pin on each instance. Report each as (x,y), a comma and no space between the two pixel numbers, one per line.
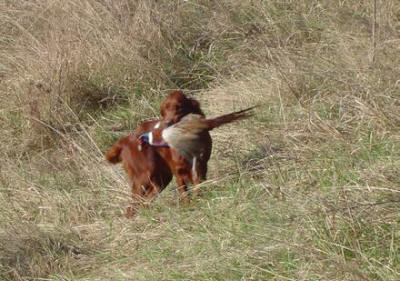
(307,189)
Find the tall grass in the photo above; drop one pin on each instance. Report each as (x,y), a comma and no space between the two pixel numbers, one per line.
(306,190)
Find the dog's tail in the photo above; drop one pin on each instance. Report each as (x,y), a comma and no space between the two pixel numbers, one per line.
(228,118)
(112,155)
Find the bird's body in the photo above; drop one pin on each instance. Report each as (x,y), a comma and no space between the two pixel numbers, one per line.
(184,137)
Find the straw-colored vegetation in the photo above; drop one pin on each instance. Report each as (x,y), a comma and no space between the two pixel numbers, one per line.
(309,189)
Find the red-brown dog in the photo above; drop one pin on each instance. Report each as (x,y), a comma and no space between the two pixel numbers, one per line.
(149,168)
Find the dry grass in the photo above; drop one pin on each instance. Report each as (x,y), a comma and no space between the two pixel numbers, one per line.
(306,190)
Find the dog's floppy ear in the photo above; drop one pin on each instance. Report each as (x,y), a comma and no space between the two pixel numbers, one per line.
(194,104)
(162,111)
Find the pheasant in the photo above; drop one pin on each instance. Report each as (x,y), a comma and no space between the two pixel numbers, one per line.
(185,136)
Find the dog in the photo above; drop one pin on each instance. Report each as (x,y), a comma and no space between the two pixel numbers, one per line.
(150,169)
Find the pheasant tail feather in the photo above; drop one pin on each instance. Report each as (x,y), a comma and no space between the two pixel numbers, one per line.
(228,118)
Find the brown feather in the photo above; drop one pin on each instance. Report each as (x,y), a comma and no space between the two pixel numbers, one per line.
(228,118)
(184,135)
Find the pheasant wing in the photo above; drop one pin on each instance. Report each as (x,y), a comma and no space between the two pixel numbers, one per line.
(184,136)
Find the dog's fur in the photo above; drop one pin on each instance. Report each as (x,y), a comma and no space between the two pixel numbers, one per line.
(148,172)
(150,169)
(175,106)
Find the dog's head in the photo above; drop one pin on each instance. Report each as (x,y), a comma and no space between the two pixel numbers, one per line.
(176,105)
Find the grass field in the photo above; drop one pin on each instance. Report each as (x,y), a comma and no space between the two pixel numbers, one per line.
(308,189)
